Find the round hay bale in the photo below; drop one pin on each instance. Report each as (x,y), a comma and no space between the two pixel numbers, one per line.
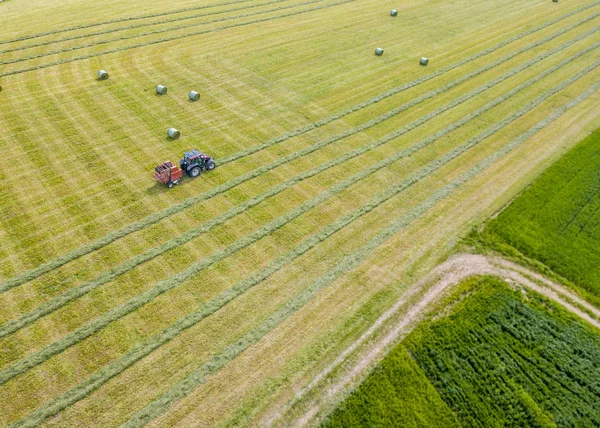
(161,90)
(378,51)
(174,133)
(424,61)
(394,12)
(0,88)
(194,96)
(102,75)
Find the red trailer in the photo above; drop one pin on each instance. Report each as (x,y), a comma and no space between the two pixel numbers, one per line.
(168,174)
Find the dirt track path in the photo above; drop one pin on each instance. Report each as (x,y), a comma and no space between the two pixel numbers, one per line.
(449,273)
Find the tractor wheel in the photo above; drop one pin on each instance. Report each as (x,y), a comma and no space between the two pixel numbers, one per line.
(194,172)
(210,166)
(170,184)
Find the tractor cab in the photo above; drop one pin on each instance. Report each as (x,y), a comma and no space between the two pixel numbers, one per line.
(194,162)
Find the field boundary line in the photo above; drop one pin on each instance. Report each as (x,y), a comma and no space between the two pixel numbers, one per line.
(168,30)
(160,215)
(350,262)
(139,351)
(14,325)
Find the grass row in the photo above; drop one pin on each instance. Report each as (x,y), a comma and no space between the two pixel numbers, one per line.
(139,352)
(132,27)
(14,325)
(500,357)
(161,31)
(156,217)
(133,304)
(147,24)
(117,20)
(169,39)
(188,384)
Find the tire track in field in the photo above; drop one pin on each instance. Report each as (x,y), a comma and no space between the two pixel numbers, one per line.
(166,30)
(158,216)
(348,263)
(138,352)
(49,307)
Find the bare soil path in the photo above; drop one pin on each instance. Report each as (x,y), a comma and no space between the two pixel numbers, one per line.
(442,278)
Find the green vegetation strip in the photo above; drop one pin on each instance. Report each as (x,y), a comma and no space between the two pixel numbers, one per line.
(142,350)
(115,21)
(530,363)
(170,39)
(14,325)
(167,30)
(501,357)
(147,24)
(350,262)
(156,217)
(557,219)
(396,393)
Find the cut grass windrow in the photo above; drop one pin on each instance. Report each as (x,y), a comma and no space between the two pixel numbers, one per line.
(348,263)
(132,27)
(138,351)
(162,31)
(15,325)
(170,39)
(158,216)
(147,24)
(117,20)
(417,82)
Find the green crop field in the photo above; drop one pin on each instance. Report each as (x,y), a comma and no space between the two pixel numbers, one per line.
(500,357)
(342,178)
(557,219)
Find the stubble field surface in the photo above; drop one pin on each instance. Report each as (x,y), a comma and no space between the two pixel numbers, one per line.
(342,178)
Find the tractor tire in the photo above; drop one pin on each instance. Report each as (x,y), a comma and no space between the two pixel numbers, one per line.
(210,166)
(170,184)
(194,172)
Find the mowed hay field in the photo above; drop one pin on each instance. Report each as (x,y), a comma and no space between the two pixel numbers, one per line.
(342,179)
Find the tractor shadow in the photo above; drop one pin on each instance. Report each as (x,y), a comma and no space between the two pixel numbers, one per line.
(159,188)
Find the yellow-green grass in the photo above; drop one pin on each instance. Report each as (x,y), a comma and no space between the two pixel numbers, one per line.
(77,158)
(61,300)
